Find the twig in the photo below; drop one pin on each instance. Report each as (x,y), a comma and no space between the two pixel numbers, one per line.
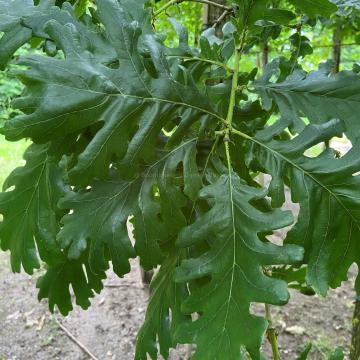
(167,5)
(41,323)
(220,18)
(122,285)
(76,341)
(208,2)
(175,2)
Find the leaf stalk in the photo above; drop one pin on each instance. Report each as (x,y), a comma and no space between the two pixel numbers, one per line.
(271,333)
(234,84)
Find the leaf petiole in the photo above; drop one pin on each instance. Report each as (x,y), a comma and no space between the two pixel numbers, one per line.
(271,333)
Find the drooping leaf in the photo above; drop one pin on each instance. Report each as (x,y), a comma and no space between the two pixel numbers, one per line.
(164,314)
(150,232)
(100,218)
(314,8)
(251,12)
(234,263)
(98,221)
(55,284)
(317,96)
(30,213)
(325,182)
(130,104)
(15,34)
(21,21)
(95,231)
(261,11)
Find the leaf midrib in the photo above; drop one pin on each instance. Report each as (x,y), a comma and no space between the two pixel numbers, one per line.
(307,174)
(143,98)
(304,93)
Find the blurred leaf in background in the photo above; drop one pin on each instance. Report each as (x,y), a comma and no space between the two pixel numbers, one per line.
(9,88)
(189,14)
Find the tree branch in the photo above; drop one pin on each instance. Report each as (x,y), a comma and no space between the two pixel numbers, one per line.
(220,18)
(76,341)
(208,2)
(174,2)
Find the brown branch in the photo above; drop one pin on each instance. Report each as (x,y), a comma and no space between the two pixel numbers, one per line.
(209,2)
(76,341)
(123,286)
(175,2)
(220,18)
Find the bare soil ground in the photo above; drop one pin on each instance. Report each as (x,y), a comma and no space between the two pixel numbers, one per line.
(109,327)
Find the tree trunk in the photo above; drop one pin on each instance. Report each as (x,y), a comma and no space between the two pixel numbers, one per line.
(355,341)
(337,48)
(264,55)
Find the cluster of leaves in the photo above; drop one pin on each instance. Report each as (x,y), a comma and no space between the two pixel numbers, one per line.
(124,127)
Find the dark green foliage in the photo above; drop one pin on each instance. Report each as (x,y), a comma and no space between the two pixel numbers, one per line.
(29,207)
(234,263)
(127,129)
